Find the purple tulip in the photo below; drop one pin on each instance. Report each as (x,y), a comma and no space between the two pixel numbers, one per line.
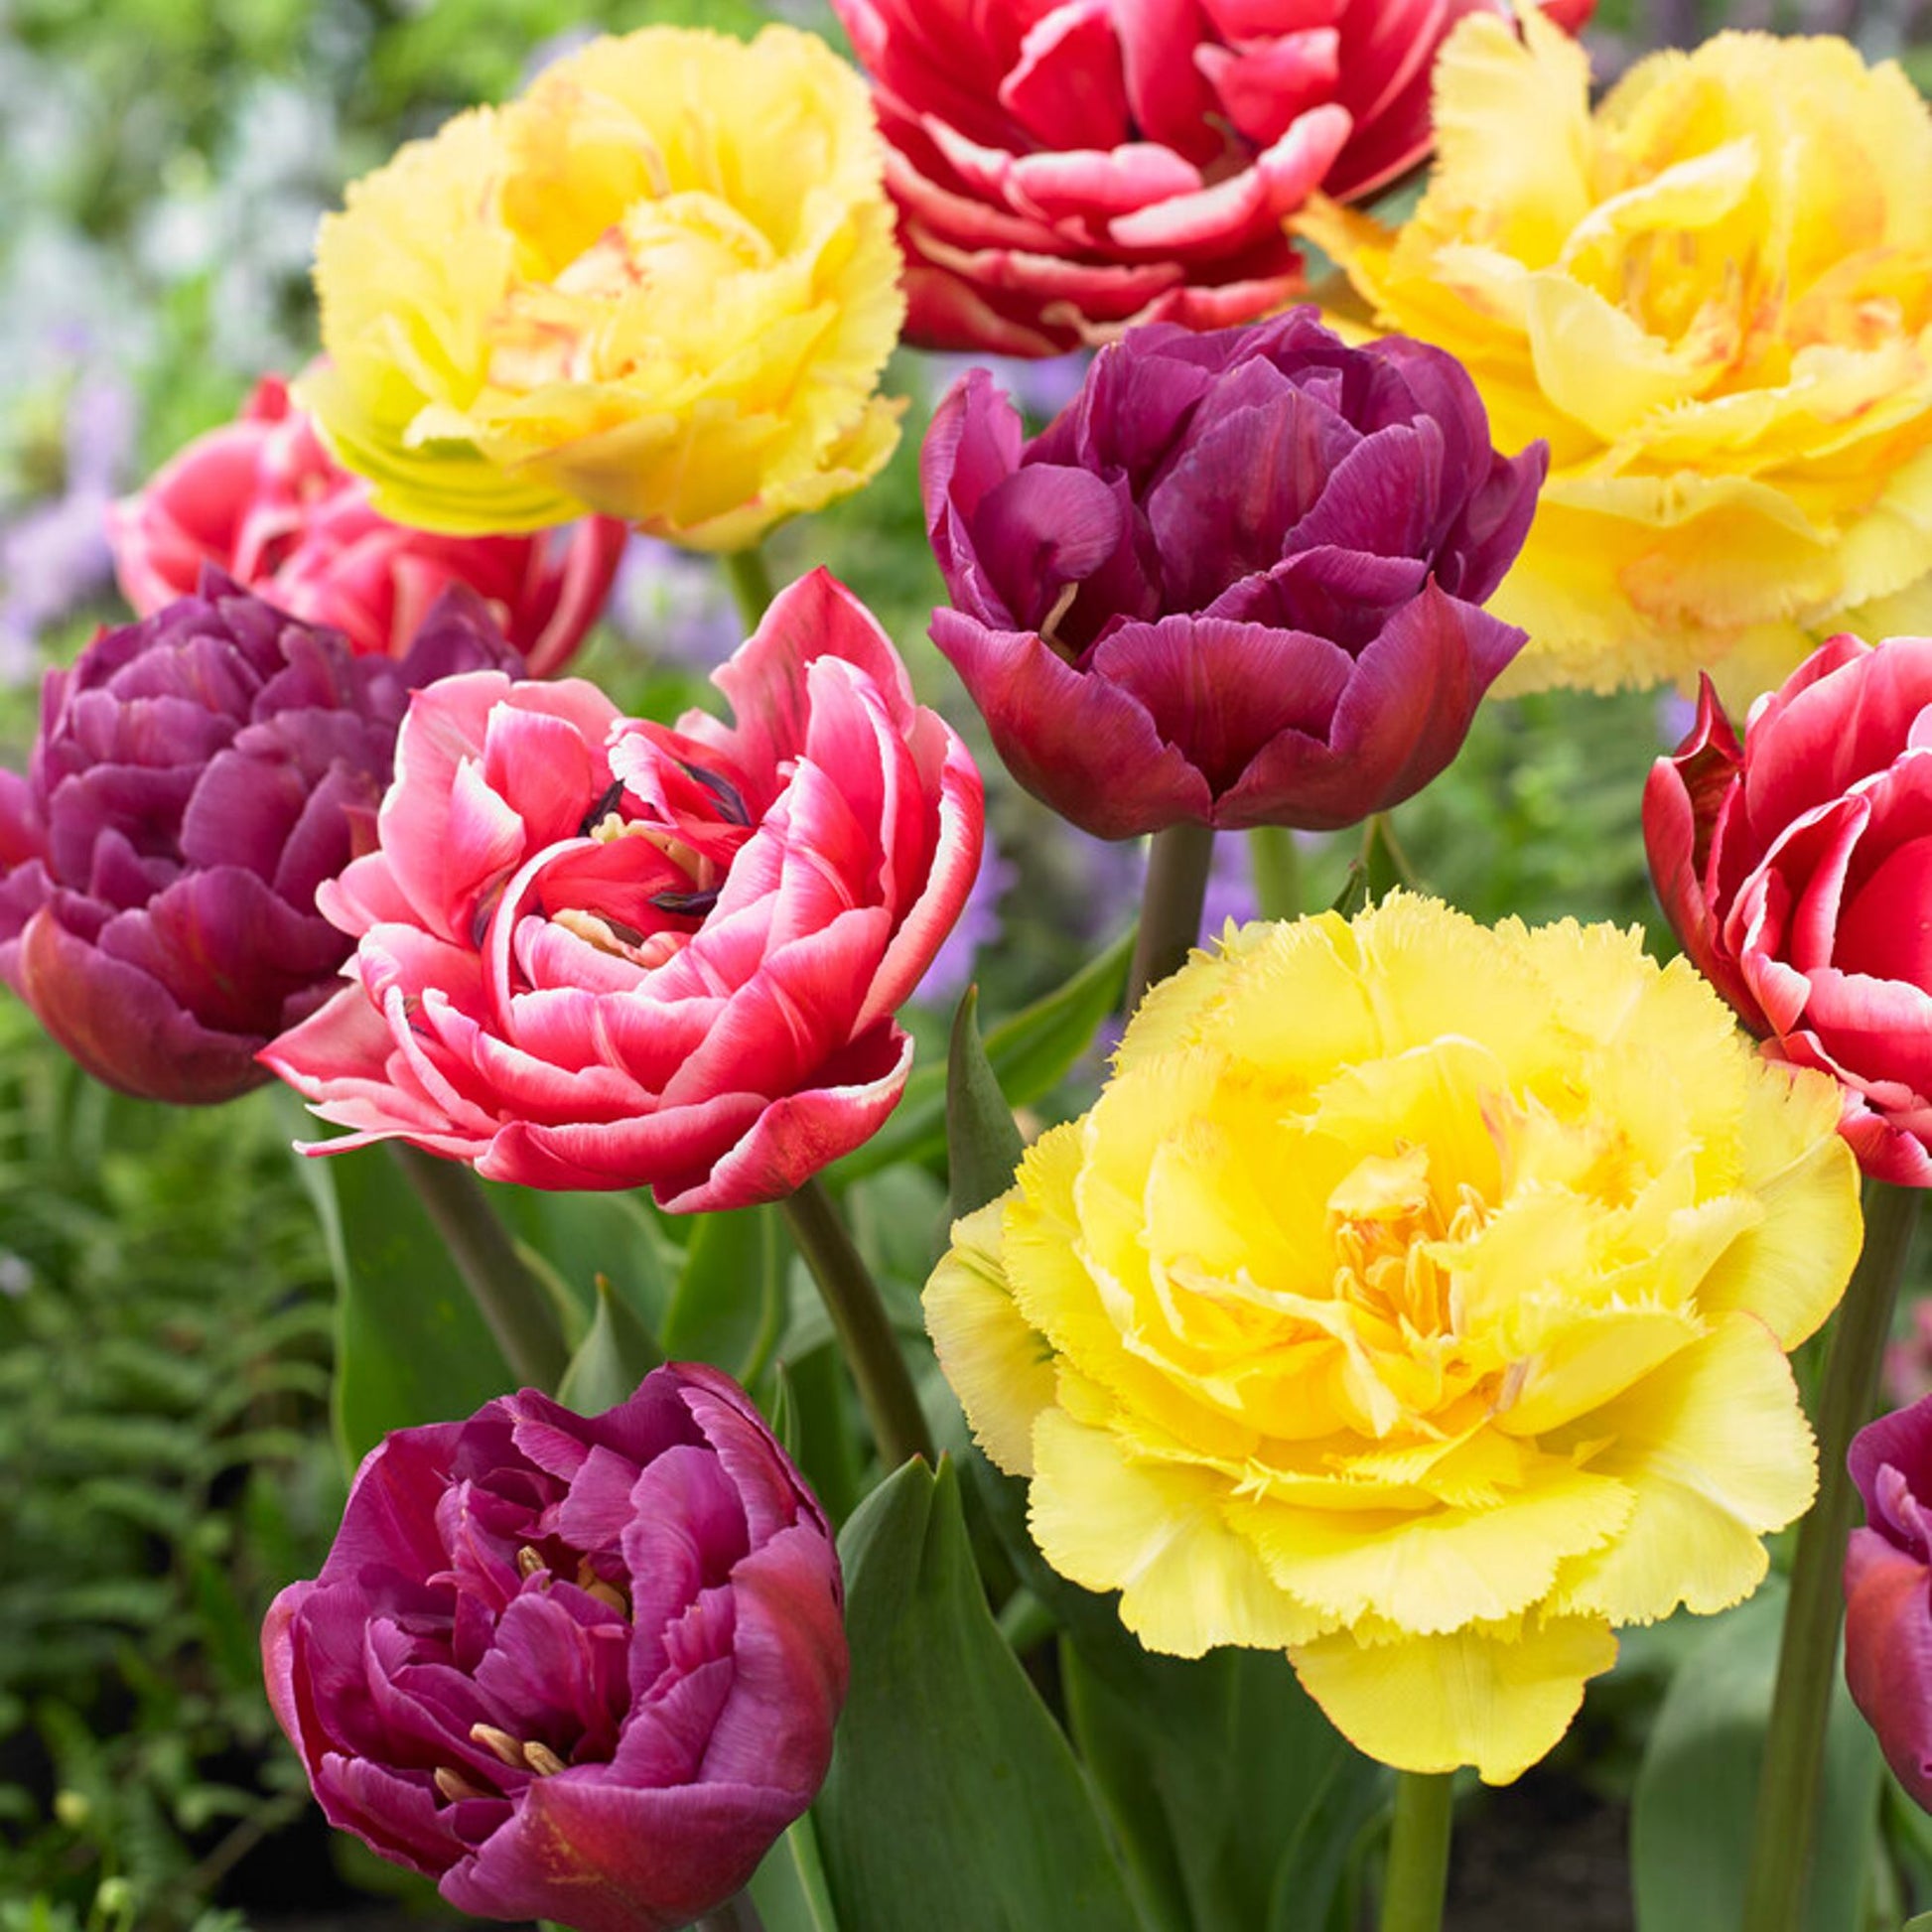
(1888,1592)
(577,1669)
(1237,581)
(196,776)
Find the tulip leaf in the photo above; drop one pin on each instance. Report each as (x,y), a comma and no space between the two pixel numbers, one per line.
(1029,1052)
(1697,1788)
(983,1146)
(954,1803)
(1236,1802)
(1384,862)
(573,1239)
(410,1344)
(788,1888)
(611,1359)
(729,1305)
(1923,1923)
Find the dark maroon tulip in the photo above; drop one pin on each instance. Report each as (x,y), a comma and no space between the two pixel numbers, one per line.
(1888,1592)
(583,1669)
(1797,870)
(1237,581)
(196,776)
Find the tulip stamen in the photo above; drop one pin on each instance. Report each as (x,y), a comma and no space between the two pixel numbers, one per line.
(1049,630)
(594,1586)
(510,1749)
(455,1787)
(530,1563)
(542,1759)
(594,821)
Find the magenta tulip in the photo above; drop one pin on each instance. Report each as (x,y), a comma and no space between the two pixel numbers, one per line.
(1064,170)
(1888,1592)
(583,1669)
(262,500)
(596,952)
(1797,870)
(195,777)
(1237,581)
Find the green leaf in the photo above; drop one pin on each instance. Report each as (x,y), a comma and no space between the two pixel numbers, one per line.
(729,1305)
(953,1803)
(1353,897)
(1235,1800)
(410,1344)
(613,1358)
(983,1146)
(1384,862)
(1697,1788)
(788,1888)
(1028,1054)
(1923,1923)
(574,1238)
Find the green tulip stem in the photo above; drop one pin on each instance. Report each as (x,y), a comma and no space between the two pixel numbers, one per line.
(1794,1743)
(736,1914)
(1171,907)
(519,1312)
(750,577)
(1275,861)
(865,1331)
(1417,1879)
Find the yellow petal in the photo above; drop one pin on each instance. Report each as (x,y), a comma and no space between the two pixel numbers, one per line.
(1438,1571)
(1715,1450)
(1157,1534)
(1498,1699)
(1001,1368)
(1790,1269)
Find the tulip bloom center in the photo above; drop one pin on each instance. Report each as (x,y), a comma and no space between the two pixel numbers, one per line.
(652,851)
(1886,931)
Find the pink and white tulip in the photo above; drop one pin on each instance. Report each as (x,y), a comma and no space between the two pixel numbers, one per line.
(598,952)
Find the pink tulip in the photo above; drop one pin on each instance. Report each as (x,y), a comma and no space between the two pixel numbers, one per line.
(262,500)
(1063,170)
(597,952)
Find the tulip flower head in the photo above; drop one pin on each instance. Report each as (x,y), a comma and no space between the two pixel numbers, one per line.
(594,952)
(1416,1299)
(1796,869)
(659,285)
(1063,171)
(1712,297)
(1237,581)
(574,1668)
(261,500)
(196,777)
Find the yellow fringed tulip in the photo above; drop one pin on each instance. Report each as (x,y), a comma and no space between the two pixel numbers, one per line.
(661,284)
(1714,297)
(1416,1297)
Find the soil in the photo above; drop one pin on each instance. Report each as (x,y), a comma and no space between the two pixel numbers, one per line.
(1546,1852)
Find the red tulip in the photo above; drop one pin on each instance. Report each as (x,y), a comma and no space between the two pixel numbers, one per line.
(263,501)
(1062,170)
(1888,1592)
(594,952)
(1797,870)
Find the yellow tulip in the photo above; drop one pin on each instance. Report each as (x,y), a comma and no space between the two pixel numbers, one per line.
(1714,297)
(1416,1299)
(661,284)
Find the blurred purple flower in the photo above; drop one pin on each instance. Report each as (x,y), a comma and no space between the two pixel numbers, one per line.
(54,556)
(1237,582)
(1041,386)
(979,925)
(675,606)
